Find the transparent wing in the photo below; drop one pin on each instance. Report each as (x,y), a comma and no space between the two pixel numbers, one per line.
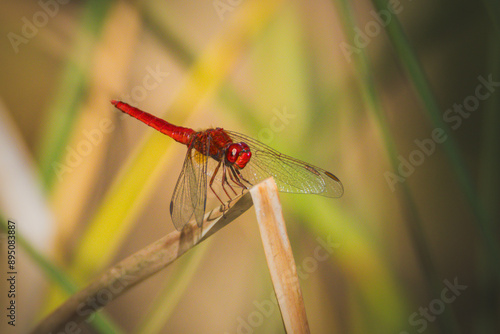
(190,193)
(291,175)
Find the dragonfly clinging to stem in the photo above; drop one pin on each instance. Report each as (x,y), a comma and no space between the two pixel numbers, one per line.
(234,160)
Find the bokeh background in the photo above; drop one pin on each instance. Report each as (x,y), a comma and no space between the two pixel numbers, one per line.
(397,105)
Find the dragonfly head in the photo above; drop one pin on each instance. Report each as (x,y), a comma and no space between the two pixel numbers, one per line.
(238,154)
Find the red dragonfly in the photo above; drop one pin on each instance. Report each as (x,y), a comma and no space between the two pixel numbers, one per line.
(235,160)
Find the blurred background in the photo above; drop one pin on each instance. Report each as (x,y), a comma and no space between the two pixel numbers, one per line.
(399,99)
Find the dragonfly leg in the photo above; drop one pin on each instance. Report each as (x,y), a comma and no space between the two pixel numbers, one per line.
(224,180)
(238,175)
(234,177)
(212,181)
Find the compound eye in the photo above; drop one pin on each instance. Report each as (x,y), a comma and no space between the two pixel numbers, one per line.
(238,154)
(233,152)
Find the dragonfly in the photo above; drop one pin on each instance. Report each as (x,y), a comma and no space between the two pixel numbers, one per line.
(235,161)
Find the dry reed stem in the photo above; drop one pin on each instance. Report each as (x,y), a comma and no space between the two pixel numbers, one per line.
(136,268)
(279,256)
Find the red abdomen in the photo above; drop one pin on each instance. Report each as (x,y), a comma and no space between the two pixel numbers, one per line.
(178,133)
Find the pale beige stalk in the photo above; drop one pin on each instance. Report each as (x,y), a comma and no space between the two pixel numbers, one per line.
(279,256)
